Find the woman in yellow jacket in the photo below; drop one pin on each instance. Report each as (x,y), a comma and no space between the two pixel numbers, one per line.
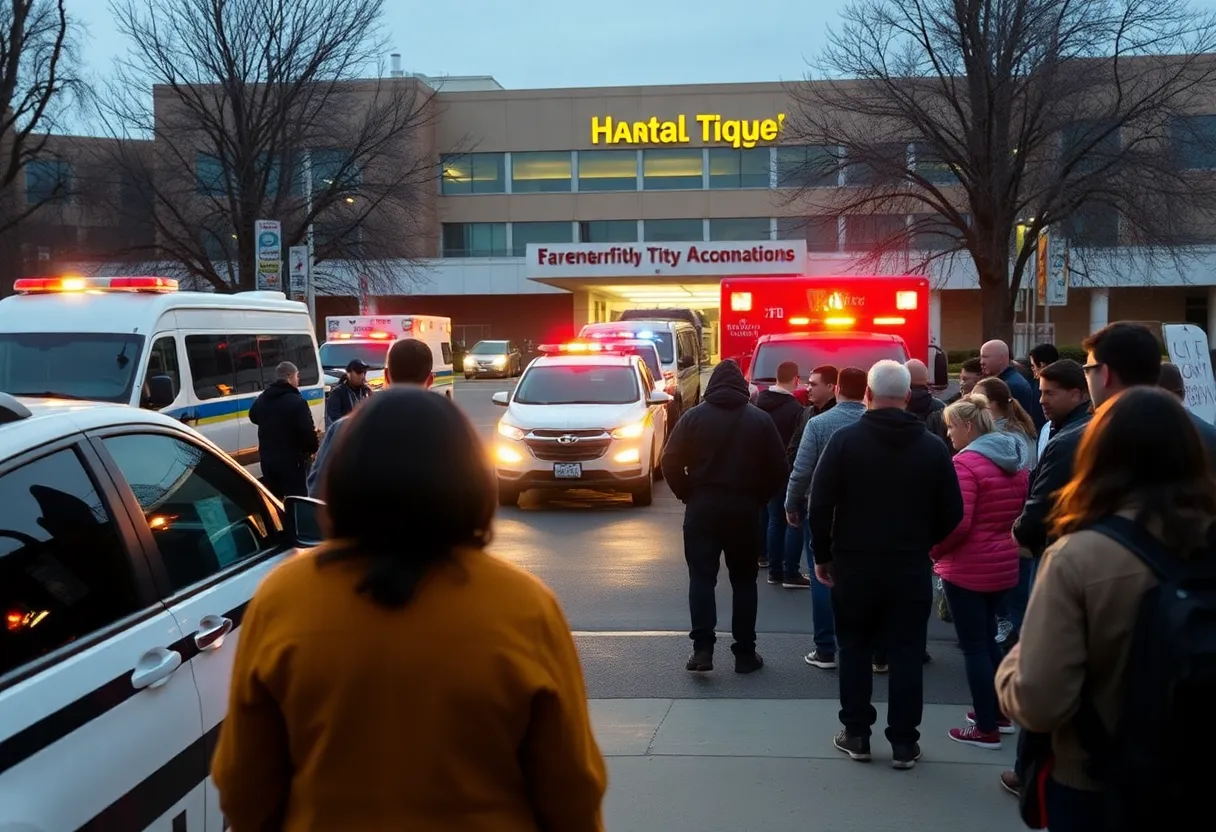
(398,677)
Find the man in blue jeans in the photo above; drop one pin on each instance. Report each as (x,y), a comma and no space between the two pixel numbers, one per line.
(849,393)
(783,543)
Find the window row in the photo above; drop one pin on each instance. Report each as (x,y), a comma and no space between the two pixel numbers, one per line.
(500,239)
(328,169)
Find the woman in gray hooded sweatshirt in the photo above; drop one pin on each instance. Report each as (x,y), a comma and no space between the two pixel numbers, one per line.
(1011,417)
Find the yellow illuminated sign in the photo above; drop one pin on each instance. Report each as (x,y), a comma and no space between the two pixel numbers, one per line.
(712,129)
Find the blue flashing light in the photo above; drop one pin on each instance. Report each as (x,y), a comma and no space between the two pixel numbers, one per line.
(646,335)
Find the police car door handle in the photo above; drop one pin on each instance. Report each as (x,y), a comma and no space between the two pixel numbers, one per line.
(211,632)
(154,668)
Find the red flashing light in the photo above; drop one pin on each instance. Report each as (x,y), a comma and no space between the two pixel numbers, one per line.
(906,300)
(71,283)
(578,348)
(890,321)
(379,336)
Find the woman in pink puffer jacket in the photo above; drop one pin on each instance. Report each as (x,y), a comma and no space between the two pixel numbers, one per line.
(978,562)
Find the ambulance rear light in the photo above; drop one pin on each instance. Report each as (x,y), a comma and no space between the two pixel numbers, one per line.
(892,321)
(839,321)
(379,336)
(906,300)
(800,321)
(741,301)
(67,284)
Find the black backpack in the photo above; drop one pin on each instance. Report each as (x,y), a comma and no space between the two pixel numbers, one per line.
(1157,764)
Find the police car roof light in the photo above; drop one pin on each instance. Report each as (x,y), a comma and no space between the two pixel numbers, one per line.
(575,348)
(72,283)
(12,410)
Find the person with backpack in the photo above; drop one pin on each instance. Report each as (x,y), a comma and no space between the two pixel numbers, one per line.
(1115,672)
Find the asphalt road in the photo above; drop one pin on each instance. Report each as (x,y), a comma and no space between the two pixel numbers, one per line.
(620,575)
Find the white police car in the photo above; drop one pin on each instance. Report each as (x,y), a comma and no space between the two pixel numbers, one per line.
(584,415)
(129,549)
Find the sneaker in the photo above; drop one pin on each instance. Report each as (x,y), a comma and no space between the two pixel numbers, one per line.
(858,748)
(775,579)
(763,562)
(1011,783)
(748,662)
(904,757)
(701,661)
(798,581)
(1004,629)
(974,736)
(880,668)
(817,658)
(1003,725)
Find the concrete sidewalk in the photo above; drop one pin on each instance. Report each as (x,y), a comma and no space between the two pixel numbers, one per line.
(731,764)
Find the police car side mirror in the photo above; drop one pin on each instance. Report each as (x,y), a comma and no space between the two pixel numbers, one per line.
(501,399)
(160,392)
(302,522)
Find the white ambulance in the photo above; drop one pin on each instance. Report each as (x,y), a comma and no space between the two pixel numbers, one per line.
(367,338)
(199,357)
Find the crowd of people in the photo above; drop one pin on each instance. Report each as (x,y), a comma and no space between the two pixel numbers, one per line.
(1091,543)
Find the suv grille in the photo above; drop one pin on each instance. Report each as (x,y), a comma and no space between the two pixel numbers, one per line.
(546,445)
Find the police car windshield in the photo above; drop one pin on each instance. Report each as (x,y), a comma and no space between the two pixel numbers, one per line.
(811,354)
(578,385)
(97,366)
(336,355)
(489,348)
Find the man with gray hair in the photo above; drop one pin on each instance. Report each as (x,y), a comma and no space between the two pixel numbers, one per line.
(883,495)
(287,437)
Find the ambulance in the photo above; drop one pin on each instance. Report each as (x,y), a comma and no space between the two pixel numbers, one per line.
(199,357)
(367,338)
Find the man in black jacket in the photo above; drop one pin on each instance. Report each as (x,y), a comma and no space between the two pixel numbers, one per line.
(783,543)
(923,404)
(821,391)
(287,437)
(724,460)
(348,393)
(883,495)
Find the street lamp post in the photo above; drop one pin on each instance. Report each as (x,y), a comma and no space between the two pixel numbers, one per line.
(309,290)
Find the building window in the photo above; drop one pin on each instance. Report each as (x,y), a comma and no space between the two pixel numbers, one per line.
(540,172)
(1089,145)
(930,167)
(608,231)
(1194,140)
(474,239)
(673,231)
(607,170)
(880,165)
(523,233)
(808,166)
(933,232)
(474,173)
(741,228)
(730,168)
(47,180)
(875,232)
(672,169)
(333,168)
(210,177)
(1095,225)
(820,233)
(218,241)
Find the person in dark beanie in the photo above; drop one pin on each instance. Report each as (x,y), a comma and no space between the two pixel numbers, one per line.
(783,543)
(883,495)
(724,460)
(287,437)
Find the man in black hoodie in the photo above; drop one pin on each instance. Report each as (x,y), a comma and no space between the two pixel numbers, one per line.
(922,404)
(287,437)
(724,460)
(884,493)
(783,542)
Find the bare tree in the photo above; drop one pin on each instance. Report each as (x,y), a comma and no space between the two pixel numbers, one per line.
(38,85)
(962,120)
(258,111)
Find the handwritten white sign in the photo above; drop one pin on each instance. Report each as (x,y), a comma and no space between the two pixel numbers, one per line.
(1188,349)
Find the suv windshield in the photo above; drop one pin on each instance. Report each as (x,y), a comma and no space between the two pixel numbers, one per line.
(572,384)
(489,348)
(336,355)
(98,366)
(811,354)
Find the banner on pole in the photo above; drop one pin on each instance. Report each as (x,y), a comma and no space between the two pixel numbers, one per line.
(269,237)
(298,276)
(1057,273)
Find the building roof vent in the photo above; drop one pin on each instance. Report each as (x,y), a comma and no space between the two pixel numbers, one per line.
(395,64)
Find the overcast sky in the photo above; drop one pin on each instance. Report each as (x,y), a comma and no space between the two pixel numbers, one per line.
(553,43)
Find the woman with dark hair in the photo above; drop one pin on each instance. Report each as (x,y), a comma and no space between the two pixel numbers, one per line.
(399,677)
(1141,459)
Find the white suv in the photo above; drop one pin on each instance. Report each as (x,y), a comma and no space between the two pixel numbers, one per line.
(129,549)
(583,416)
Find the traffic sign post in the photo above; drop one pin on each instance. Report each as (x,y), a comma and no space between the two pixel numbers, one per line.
(299,273)
(269,237)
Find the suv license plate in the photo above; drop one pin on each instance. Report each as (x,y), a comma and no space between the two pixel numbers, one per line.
(567,471)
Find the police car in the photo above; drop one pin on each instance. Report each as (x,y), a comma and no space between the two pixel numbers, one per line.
(130,546)
(583,415)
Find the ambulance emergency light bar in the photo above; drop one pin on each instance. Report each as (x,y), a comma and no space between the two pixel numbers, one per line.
(904,301)
(60,285)
(374,336)
(627,335)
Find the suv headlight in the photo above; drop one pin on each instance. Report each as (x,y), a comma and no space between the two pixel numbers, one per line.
(632,431)
(510,431)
